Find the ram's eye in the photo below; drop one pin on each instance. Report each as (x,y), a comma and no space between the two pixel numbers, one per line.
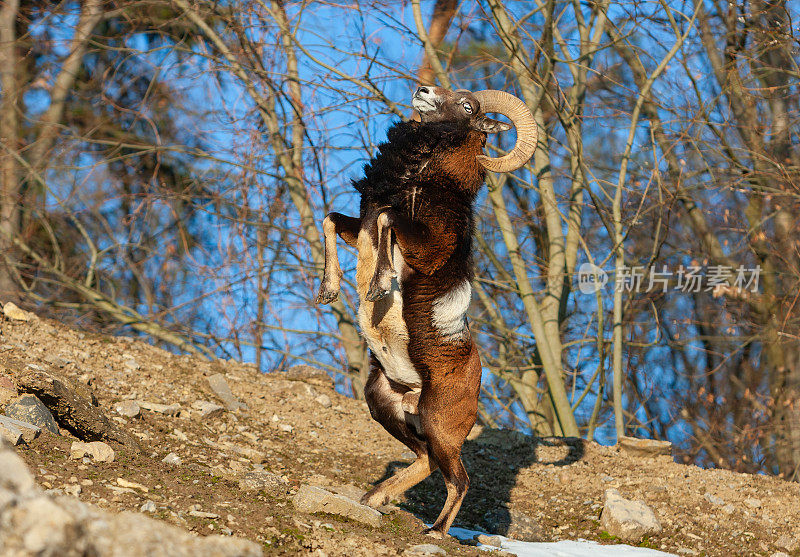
(467,108)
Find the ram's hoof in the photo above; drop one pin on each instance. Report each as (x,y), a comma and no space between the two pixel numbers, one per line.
(326,296)
(434,533)
(376,293)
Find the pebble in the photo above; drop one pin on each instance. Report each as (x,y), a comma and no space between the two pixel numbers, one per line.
(201,514)
(172,459)
(286,428)
(626,519)
(309,499)
(99,451)
(324,400)
(132,485)
(166,409)
(73,490)
(753,503)
(220,387)
(128,408)
(13,312)
(208,409)
(131,365)
(713,499)
(494,541)
(148,507)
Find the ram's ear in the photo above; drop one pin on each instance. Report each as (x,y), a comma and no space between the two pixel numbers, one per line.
(489,125)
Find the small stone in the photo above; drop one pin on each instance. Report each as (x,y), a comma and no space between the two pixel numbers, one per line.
(30,409)
(131,365)
(494,541)
(13,312)
(208,409)
(728,509)
(645,447)
(324,400)
(629,520)
(286,428)
(311,499)
(425,549)
(220,387)
(98,450)
(201,514)
(128,408)
(607,479)
(172,459)
(148,507)
(753,503)
(780,554)
(308,374)
(132,485)
(166,409)
(262,480)
(73,490)
(714,500)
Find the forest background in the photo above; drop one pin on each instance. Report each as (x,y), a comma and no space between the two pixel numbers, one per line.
(165,166)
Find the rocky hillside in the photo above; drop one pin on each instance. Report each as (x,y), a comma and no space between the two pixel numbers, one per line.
(143,452)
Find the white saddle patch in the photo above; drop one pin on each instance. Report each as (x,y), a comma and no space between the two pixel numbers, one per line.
(450,310)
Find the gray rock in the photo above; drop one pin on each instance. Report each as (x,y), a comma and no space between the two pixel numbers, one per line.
(128,408)
(40,524)
(263,480)
(208,409)
(314,499)
(714,500)
(628,520)
(166,409)
(324,400)
(99,451)
(220,387)
(148,507)
(10,433)
(512,524)
(425,549)
(172,459)
(29,431)
(30,409)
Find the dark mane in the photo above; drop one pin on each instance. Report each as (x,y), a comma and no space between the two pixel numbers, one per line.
(409,146)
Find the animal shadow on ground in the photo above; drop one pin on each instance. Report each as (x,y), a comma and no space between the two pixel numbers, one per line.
(493,458)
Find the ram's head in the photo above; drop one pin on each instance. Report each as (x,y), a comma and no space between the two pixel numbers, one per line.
(436,104)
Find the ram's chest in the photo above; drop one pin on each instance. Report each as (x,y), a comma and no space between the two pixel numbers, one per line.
(382,322)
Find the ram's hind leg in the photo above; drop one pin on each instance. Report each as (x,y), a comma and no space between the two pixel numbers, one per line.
(347,228)
(381,283)
(385,405)
(447,412)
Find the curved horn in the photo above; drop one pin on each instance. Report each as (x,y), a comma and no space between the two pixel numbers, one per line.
(527,131)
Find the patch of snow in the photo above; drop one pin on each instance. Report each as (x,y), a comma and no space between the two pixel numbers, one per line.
(563,548)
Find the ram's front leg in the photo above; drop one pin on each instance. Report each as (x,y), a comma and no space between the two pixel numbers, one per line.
(347,228)
(425,245)
(385,273)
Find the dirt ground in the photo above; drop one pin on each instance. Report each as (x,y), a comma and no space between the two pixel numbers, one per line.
(290,429)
